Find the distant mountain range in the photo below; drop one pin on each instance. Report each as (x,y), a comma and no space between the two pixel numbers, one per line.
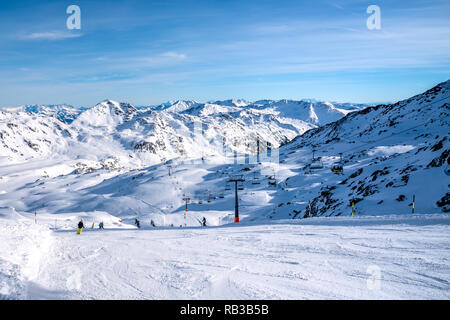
(162,132)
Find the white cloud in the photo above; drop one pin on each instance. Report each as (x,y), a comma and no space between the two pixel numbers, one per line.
(51,35)
(175,55)
(163,59)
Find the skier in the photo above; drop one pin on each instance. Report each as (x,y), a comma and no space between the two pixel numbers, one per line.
(152,223)
(80,226)
(204,222)
(100,225)
(137,223)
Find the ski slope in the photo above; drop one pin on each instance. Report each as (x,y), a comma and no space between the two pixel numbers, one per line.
(384,257)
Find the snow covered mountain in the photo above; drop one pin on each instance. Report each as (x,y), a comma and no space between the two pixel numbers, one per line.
(392,155)
(154,134)
(64,113)
(318,113)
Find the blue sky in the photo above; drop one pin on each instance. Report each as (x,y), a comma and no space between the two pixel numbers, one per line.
(147,52)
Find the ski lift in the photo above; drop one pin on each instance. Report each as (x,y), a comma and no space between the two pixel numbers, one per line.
(272,181)
(221,196)
(338,168)
(255,179)
(307,169)
(227,187)
(240,185)
(210,197)
(316,163)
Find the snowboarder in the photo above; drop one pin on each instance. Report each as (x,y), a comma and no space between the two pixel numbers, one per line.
(204,222)
(137,223)
(100,225)
(80,226)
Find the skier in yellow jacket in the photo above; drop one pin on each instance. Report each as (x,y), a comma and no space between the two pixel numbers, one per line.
(80,227)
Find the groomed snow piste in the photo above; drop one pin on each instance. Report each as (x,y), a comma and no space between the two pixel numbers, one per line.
(377,257)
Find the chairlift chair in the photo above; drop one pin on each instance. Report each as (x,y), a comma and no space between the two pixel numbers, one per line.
(338,168)
(316,164)
(255,179)
(272,181)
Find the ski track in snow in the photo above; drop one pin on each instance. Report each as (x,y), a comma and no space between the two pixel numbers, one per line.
(315,259)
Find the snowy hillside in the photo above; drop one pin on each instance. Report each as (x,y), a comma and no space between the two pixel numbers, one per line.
(26,135)
(390,154)
(64,113)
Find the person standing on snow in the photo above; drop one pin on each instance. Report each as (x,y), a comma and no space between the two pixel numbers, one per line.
(137,223)
(100,225)
(80,226)
(204,221)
